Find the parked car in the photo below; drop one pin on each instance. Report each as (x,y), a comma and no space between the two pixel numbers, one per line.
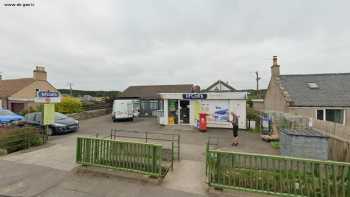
(62,124)
(8,117)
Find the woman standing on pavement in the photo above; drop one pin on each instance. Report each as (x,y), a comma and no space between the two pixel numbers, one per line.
(235,129)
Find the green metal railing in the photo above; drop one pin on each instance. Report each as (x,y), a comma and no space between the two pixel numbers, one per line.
(277,175)
(171,139)
(136,157)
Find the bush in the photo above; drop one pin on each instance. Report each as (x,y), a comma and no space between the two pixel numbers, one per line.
(252,114)
(69,105)
(255,116)
(17,138)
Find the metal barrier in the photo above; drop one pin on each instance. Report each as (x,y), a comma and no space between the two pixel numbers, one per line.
(172,139)
(277,175)
(136,157)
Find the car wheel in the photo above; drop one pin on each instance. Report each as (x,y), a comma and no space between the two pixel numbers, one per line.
(49,131)
(114,120)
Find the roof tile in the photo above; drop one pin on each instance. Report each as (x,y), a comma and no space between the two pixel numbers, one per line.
(333,91)
(152,91)
(11,86)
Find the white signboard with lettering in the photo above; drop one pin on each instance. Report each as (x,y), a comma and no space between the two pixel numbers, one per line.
(47,97)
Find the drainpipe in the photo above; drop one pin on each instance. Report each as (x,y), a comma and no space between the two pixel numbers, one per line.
(7,103)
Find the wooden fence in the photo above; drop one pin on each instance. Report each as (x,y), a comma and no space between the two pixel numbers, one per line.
(18,138)
(137,157)
(277,175)
(97,106)
(332,129)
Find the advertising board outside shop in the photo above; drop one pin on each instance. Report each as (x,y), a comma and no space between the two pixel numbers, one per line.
(48,99)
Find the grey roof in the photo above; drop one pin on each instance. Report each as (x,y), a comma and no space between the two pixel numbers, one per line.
(333,89)
(152,91)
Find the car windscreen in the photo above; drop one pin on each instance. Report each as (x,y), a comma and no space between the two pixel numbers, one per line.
(6,113)
(59,116)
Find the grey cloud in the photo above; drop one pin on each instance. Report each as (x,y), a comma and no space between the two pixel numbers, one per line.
(113,44)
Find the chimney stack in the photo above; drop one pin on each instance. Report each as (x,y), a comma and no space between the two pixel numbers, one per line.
(275,68)
(40,74)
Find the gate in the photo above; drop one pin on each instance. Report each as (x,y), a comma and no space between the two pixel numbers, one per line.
(276,174)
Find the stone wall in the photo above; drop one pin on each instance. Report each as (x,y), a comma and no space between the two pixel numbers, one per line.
(258,105)
(90,114)
(274,99)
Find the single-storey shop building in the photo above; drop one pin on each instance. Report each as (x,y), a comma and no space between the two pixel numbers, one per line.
(184,108)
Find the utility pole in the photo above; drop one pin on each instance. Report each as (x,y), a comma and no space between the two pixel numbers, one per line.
(257,84)
(70,88)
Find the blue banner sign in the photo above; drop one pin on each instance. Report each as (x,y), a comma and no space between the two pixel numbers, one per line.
(194,96)
(48,94)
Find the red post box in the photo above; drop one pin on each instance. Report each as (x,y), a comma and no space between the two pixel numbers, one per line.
(202,121)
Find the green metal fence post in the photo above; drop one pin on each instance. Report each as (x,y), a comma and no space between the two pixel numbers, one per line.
(206,158)
(172,155)
(178,146)
(77,152)
(347,189)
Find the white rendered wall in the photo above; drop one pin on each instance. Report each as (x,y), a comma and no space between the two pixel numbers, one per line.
(164,120)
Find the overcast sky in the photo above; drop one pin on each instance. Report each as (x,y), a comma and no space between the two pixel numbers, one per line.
(108,45)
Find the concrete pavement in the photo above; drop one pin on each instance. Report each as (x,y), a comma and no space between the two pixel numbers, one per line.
(18,179)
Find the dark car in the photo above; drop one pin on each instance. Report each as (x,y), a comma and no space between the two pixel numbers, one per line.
(62,124)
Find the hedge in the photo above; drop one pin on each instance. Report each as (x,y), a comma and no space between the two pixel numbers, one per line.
(68,105)
(17,138)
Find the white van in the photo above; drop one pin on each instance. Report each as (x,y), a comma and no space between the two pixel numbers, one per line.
(123,110)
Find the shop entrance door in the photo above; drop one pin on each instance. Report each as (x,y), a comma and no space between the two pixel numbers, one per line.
(173,111)
(184,112)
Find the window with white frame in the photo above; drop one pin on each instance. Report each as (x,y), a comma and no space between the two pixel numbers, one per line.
(331,115)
